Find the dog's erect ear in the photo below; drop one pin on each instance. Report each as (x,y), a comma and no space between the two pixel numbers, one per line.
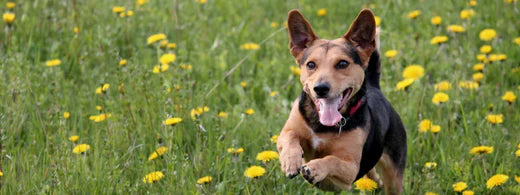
(361,34)
(300,32)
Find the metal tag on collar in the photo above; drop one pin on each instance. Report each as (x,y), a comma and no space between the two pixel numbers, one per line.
(341,124)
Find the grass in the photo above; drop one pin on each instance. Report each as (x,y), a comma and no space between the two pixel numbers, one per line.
(36,155)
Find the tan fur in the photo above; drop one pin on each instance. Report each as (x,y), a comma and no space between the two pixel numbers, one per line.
(392,180)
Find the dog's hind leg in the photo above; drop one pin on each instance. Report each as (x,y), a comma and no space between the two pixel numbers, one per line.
(392,175)
(372,174)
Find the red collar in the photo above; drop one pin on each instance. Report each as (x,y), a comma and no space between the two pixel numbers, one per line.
(355,108)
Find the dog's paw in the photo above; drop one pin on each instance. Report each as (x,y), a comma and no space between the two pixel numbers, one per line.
(291,161)
(313,172)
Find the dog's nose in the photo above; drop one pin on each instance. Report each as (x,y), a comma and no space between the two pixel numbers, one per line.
(322,89)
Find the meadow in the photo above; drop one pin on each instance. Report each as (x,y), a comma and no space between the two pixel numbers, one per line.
(151,97)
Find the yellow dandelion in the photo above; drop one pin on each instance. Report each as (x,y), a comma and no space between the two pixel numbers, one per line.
(517,40)
(495,118)
(456,28)
(440,97)
(243,84)
(468,192)
(436,20)
(250,111)
(171,45)
(99,108)
(443,86)
(459,186)
(222,115)
(9,18)
(413,71)
(158,152)
(438,39)
(66,115)
(118,9)
(414,14)
(486,48)
(201,1)
(130,13)
(274,139)
(510,1)
(468,84)
(10,5)
(473,2)
(250,46)
(153,177)
(435,129)
(54,62)
(478,67)
(322,12)
(477,77)
(167,58)
(142,2)
(160,68)
(517,153)
(509,96)
(365,184)
(467,14)
(430,165)
(163,43)
(377,20)
(204,180)
(487,34)
(274,24)
(74,138)
(235,151)
(430,193)
(501,57)
(273,93)
(1,173)
(81,148)
(172,121)
(186,66)
(481,150)
(425,125)
(254,172)
(76,30)
(156,37)
(496,180)
(402,85)
(267,156)
(295,70)
(391,53)
(105,87)
(482,58)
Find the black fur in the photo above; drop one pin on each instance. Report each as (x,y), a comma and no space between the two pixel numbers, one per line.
(376,114)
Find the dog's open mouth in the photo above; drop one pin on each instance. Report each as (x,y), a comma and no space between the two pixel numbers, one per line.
(328,108)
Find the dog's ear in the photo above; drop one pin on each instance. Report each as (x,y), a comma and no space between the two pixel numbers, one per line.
(361,34)
(300,32)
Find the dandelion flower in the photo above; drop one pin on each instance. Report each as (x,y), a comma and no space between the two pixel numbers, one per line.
(495,118)
(156,37)
(10,5)
(468,84)
(142,2)
(365,184)
(430,165)
(66,115)
(478,67)
(54,62)
(274,24)
(222,115)
(158,152)
(167,58)
(402,85)
(377,20)
(273,93)
(517,40)
(477,77)
(510,1)
(8,18)
(438,39)
(250,46)
(436,20)
(496,180)
(414,14)
(435,129)
(487,34)
(204,180)
(254,172)
(76,30)
(172,121)
(467,14)
(413,71)
(456,28)
(1,174)
(509,96)
(322,12)
(186,66)
(250,111)
(443,86)
(153,176)
(391,53)
(517,153)
(74,138)
(295,70)
(267,156)
(440,97)
(425,125)
(122,62)
(481,150)
(486,48)
(171,45)
(160,68)
(472,2)
(483,58)
(81,148)
(274,139)
(235,151)
(431,193)
(118,9)
(468,192)
(201,1)
(459,186)
(243,84)
(130,13)
(517,179)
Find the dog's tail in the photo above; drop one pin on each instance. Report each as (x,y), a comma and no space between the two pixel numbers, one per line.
(378,30)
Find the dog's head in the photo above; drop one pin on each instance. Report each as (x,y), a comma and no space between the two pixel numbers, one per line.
(332,71)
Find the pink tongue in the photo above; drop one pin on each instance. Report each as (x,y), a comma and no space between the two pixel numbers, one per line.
(329,114)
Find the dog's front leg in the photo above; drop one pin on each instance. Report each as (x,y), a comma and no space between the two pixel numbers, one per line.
(291,152)
(340,172)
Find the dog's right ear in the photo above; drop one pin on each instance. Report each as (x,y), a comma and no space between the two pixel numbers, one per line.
(300,32)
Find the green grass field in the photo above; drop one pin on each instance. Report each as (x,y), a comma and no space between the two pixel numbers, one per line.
(37,156)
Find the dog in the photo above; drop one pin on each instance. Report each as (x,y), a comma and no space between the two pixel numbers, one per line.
(341,125)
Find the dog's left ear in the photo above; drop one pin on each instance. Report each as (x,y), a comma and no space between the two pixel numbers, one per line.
(361,35)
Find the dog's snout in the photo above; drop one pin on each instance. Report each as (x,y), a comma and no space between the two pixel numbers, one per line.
(322,89)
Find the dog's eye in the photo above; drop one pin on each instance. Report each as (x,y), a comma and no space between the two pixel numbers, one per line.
(342,64)
(311,65)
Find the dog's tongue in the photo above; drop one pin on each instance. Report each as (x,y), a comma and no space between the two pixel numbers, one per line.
(329,114)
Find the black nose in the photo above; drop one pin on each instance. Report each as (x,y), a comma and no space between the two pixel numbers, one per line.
(322,89)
